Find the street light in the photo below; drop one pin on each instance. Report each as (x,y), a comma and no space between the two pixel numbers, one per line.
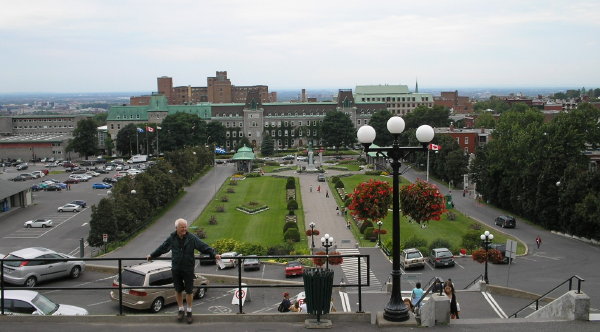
(327,241)
(487,238)
(395,310)
(312,237)
(379,223)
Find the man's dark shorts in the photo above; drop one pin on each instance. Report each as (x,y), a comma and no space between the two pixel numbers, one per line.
(181,278)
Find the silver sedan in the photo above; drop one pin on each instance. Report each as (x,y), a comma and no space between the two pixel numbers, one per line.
(43,223)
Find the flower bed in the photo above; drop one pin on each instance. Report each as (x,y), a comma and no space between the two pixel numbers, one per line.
(252,207)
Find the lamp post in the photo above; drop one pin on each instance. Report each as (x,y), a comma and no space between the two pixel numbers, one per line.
(327,241)
(487,238)
(395,310)
(312,237)
(379,223)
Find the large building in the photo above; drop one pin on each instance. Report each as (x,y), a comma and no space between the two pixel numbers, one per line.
(40,124)
(218,89)
(458,104)
(397,98)
(291,125)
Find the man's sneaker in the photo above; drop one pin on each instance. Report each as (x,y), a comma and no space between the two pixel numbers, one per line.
(180,315)
(189,318)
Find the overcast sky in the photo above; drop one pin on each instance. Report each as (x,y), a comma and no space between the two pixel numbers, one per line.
(122,45)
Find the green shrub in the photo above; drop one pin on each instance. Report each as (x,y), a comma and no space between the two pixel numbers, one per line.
(348,201)
(201,233)
(471,240)
(291,183)
(291,213)
(369,233)
(253,175)
(288,225)
(220,208)
(246,249)
(230,190)
(441,243)
(225,245)
(416,242)
(339,184)
(335,179)
(292,204)
(224,199)
(373,173)
(212,220)
(364,225)
(280,249)
(292,234)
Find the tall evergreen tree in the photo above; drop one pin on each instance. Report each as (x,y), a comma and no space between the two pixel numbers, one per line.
(85,138)
(337,130)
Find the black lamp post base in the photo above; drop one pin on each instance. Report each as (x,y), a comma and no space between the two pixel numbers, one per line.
(398,314)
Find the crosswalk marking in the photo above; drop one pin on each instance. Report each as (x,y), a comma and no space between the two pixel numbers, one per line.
(350,269)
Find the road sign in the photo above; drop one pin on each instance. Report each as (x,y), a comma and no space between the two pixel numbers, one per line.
(104,237)
(237,295)
(511,249)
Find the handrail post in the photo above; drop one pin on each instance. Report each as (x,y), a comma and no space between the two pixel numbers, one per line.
(570,283)
(120,289)
(360,283)
(239,294)
(1,287)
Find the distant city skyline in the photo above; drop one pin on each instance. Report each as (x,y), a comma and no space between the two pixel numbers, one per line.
(68,46)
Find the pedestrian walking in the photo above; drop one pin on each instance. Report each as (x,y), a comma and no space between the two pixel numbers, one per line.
(319,189)
(416,294)
(286,304)
(311,188)
(326,193)
(181,243)
(538,241)
(454,306)
(337,210)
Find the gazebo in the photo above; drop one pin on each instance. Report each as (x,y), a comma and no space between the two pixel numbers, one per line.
(243,159)
(378,160)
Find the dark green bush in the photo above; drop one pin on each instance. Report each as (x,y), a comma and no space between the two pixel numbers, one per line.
(373,173)
(471,240)
(415,242)
(292,205)
(369,233)
(440,243)
(288,225)
(292,234)
(280,249)
(246,249)
(291,183)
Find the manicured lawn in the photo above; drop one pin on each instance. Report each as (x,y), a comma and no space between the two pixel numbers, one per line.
(450,230)
(266,227)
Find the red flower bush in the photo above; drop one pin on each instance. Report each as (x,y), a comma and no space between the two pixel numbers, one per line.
(422,201)
(371,200)
(312,232)
(494,256)
(318,261)
(377,231)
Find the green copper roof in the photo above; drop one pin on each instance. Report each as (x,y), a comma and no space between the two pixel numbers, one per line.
(381,89)
(243,153)
(158,103)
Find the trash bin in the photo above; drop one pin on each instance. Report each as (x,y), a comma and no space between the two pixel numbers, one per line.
(449,203)
(318,286)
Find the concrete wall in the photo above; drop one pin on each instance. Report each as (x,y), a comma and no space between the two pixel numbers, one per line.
(570,306)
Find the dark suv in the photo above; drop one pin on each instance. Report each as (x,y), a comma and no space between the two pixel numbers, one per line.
(506,221)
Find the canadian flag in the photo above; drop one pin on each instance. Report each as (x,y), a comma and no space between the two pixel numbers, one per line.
(150,129)
(434,147)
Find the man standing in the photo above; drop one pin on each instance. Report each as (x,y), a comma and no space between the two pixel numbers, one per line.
(182,245)
(538,241)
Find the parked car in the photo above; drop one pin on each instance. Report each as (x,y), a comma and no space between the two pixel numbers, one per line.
(83,204)
(205,259)
(108,168)
(506,221)
(156,273)
(51,165)
(251,263)
(412,257)
(36,187)
(229,262)
(38,174)
(26,302)
(22,167)
(53,187)
(502,248)
(441,257)
(43,223)
(109,180)
(69,208)
(294,268)
(39,264)
(321,177)
(71,181)
(19,177)
(92,173)
(101,186)
(69,165)
(288,157)
(302,158)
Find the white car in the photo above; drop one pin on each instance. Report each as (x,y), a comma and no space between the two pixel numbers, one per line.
(26,302)
(227,261)
(92,173)
(38,174)
(43,223)
(108,168)
(69,208)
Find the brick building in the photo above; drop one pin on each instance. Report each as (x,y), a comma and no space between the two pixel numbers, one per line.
(451,100)
(468,139)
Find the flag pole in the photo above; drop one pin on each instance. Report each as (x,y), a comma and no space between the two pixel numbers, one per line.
(147,139)
(137,140)
(157,154)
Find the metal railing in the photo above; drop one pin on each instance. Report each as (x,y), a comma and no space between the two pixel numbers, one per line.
(479,277)
(434,284)
(239,285)
(537,301)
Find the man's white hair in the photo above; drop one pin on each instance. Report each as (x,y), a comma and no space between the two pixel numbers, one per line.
(180,221)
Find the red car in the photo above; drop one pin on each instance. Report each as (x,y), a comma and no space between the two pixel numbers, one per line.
(293,268)
(71,181)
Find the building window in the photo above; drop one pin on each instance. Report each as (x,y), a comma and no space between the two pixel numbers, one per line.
(253,123)
(241,124)
(249,134)
(227,134)
(466,140)
(358,122)
(285,132)
(307,132)
(273,133)
(241,134)
(300,123)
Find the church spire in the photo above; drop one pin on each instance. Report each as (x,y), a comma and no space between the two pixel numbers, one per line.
(416,86)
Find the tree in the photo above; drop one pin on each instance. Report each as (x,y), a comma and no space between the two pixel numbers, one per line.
(268,145)
(438,116)
(379,123)
(182,129)
(85,139)
(126,139)
(244,141)
(215,132)
(337,130)
(100,119)
(109,144)
(485,120)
